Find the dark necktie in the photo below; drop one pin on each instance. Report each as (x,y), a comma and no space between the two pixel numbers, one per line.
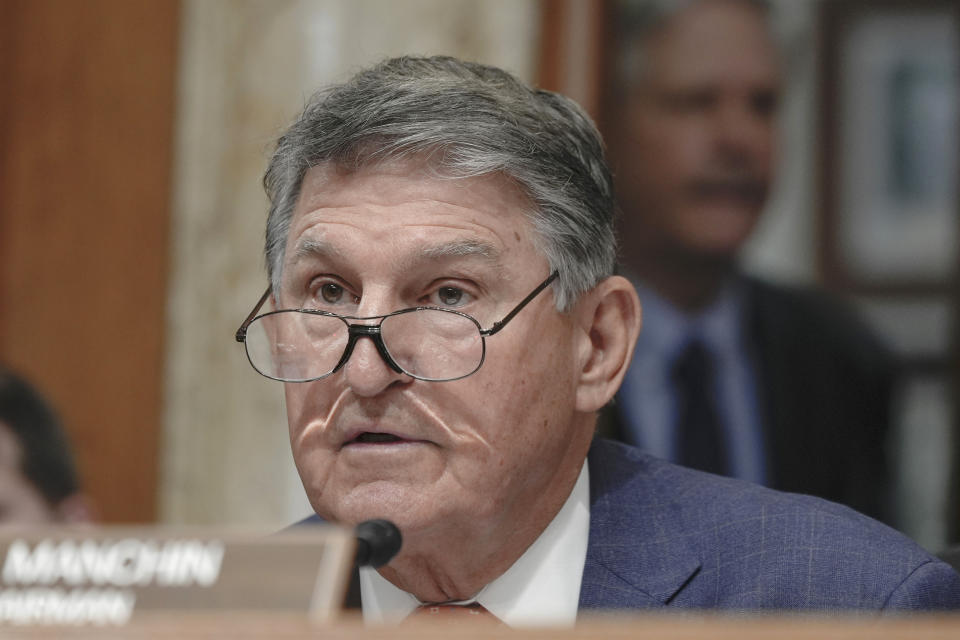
(699,430)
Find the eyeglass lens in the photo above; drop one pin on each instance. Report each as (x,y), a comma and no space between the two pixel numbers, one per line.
(431,344)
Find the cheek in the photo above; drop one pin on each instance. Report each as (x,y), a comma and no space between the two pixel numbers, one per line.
(770,154)
(666,153)
(525,394)
(306,403)
(686,150)
(513,439)
(295,400)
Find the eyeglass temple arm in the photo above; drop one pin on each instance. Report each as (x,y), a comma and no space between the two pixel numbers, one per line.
(241,335)
(500,324)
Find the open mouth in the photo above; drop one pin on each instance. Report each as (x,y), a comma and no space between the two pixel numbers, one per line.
(376,438)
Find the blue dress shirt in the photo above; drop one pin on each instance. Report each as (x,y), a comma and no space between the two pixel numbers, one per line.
(647,399)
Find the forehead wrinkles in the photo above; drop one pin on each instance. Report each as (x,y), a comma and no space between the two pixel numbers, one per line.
(405,183)
(485,217)
(416,177)
(379,202)
(308,248)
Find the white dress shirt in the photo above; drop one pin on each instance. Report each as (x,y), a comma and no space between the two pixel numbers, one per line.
(541,588)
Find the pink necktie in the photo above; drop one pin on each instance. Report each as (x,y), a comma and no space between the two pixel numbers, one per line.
(453,612)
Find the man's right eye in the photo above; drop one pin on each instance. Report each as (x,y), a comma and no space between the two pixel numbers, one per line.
(331,292)
(691,101)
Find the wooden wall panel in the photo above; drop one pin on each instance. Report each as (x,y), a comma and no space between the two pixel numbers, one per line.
(573,51)
(86,128)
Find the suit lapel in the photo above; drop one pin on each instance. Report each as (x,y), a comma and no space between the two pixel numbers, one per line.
(604,587)
(791,412)
(772,381)
(637,555)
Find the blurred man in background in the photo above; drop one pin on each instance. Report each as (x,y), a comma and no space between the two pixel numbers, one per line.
(38,480)
(731,374)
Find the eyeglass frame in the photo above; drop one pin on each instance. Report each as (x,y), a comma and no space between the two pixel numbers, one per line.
(356,331)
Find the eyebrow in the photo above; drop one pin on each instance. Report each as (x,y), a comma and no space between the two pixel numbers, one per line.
(461,248)
(314,248)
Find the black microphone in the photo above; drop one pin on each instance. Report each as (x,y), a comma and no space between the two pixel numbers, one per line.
(377,542)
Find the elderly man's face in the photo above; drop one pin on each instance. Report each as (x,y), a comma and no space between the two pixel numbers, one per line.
(697,158)
(488,452)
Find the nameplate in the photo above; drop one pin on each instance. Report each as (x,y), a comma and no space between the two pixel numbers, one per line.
(112,575)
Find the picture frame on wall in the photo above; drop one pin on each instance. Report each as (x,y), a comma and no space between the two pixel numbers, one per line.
(890,145)
(889,220)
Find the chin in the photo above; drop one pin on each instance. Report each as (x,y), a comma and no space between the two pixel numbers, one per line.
(401,505)
(719,234)
(718,250)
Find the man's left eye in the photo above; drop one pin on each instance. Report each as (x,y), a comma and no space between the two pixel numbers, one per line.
(449,296)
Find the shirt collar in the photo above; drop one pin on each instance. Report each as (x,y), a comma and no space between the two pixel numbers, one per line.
(666,329)
(541,587)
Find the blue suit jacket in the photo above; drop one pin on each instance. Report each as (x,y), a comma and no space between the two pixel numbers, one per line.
(665,536)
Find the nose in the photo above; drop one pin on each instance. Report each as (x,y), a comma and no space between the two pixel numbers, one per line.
(367,371)
(743,135)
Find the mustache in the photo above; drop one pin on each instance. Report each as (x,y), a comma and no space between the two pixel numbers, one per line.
(742,187)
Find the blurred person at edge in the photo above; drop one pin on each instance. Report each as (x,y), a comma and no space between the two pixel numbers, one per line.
(38,480)
(734,375)
(443,314)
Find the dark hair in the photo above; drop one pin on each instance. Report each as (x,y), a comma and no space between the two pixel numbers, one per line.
(465,119)
(45,452)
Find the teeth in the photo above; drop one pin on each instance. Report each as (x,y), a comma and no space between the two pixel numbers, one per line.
(377,437)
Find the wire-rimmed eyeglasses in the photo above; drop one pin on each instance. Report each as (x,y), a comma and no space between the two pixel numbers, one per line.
(426,343)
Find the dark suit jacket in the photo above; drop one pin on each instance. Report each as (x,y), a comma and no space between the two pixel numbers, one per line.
(824,385)
(666,537)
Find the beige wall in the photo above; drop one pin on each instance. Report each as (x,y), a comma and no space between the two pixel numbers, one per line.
(245,70)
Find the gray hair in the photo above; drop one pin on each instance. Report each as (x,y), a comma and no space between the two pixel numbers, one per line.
(637,21)
(466,120)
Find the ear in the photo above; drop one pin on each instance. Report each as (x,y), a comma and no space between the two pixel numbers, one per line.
(610,323)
